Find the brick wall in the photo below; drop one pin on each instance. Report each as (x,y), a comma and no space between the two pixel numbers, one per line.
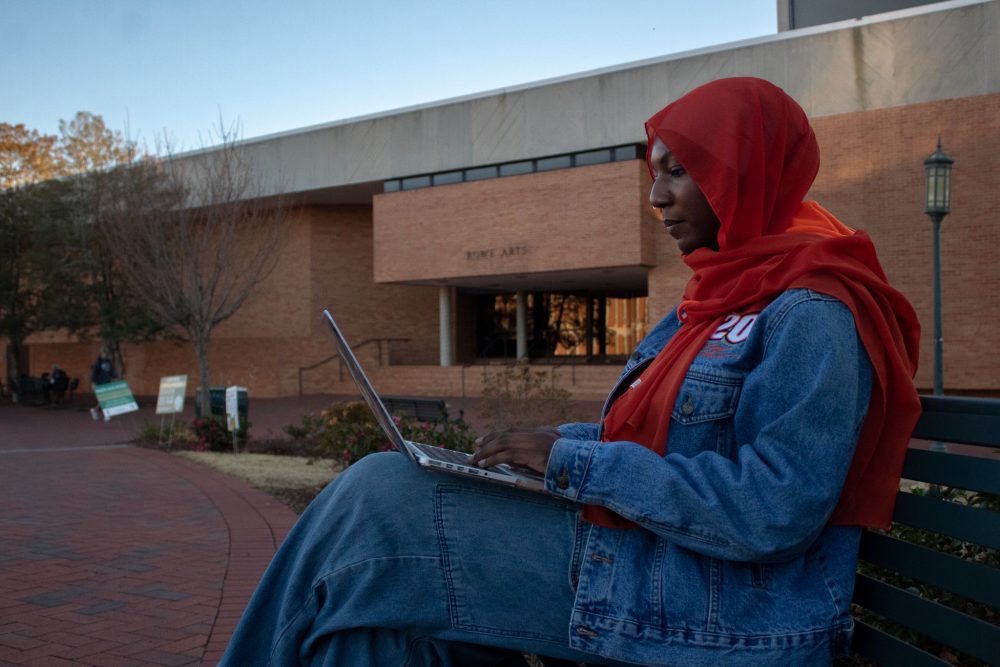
(326,262)
(872,177)
(561,220)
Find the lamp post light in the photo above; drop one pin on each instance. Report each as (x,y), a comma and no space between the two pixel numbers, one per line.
(937,204)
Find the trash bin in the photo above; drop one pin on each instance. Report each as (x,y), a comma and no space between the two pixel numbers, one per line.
(217,402)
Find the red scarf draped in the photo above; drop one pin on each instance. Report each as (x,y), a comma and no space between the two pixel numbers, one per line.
(751,151)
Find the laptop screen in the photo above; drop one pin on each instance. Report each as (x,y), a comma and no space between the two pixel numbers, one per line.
(374,402)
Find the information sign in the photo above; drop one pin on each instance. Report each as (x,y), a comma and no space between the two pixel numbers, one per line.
(115,398)
(171,397)
(233,408)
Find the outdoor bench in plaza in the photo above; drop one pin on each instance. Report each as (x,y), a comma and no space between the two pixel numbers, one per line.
(431,410)
(953,511)
(35,388)
(31,387)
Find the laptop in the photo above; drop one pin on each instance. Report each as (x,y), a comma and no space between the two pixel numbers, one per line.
(424,455)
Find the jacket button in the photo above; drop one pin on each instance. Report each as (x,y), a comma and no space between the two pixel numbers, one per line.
(563,480)
(688,406)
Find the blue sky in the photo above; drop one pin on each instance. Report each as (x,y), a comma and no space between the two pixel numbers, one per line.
(178,66)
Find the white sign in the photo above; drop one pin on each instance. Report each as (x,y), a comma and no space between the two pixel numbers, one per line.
(171,397)
(233,408)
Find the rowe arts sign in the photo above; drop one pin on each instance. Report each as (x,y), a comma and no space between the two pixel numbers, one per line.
(494,253)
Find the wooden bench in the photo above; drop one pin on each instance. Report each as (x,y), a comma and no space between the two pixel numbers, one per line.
(954,514)
(31,386)
(430,410)
(41,389)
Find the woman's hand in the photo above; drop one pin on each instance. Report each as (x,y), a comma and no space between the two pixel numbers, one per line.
(527,447)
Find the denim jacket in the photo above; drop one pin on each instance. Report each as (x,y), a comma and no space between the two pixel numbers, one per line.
(734,563)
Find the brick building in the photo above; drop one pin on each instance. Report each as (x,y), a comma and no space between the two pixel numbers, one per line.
(444,235)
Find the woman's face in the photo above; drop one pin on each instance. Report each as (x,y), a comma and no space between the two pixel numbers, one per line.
(680,203)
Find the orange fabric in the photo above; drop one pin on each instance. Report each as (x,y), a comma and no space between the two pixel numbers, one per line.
(768,244)
(814,219)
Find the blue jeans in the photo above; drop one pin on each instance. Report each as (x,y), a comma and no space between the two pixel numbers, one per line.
(394,565)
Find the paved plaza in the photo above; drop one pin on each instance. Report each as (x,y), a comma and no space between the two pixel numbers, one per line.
(113,555)
(116,555)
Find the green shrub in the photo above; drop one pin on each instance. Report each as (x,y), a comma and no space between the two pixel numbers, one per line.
(212,435)
(514,396)
(149,431)
(172,431)
(345,432)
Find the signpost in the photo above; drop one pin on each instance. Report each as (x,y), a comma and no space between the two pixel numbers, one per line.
(115,399)
(233,412)
(170,401)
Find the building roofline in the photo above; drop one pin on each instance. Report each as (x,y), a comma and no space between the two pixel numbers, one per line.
(635,64)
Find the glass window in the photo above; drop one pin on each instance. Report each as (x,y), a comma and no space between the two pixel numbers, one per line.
(557,162)
(416,182)
(480,173)
(515,168)
(593,157)
(628,153)
(448,178)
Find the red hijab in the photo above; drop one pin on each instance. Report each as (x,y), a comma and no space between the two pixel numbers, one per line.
(750,149)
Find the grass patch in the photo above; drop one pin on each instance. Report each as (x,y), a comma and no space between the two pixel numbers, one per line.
(295,480)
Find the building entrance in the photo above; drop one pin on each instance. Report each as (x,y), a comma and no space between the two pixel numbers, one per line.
(595,327)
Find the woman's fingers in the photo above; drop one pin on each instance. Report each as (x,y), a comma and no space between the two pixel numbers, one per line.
(520,447)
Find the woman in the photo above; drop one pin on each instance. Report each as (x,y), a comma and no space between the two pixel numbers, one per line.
(752,434)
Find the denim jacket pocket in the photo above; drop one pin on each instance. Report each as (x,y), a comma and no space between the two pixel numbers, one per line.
(703,413)
(704,397)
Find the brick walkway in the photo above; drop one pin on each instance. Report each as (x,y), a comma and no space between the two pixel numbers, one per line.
(114,555)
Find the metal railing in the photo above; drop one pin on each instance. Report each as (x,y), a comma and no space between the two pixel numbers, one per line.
(572,362)
(382,359)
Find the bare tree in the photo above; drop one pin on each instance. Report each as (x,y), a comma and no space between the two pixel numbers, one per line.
(194,236)
(102,305)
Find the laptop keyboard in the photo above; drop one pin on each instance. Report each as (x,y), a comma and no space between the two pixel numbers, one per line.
(461,458)
(441,454)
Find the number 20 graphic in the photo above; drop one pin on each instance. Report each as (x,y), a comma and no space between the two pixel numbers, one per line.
(735,328)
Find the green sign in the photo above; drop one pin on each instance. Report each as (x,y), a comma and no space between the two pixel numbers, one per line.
(171,398)
(115,398)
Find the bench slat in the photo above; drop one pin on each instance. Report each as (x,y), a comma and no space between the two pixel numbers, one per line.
(971,524)
(963,472)
(961,631)
(885,649)
(971,580)
(948,419)
(421,409)
(972,421)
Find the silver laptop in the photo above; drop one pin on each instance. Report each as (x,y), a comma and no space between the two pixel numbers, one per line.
(428,456)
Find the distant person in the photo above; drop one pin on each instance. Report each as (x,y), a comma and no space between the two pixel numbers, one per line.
(55,382)
(102,372)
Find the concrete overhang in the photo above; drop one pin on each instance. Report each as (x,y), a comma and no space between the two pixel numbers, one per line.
(869,63)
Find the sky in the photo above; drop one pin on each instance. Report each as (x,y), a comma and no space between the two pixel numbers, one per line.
(179,68)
